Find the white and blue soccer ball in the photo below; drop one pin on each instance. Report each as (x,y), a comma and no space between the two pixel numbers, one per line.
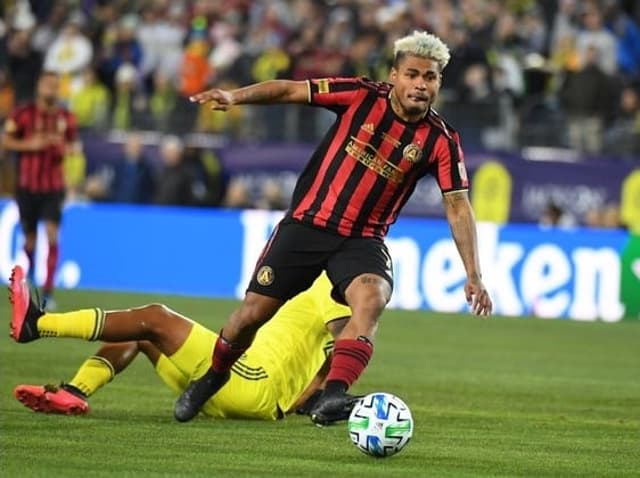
(380,424)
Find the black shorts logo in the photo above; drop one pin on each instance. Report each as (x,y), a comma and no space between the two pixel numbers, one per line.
(265,276)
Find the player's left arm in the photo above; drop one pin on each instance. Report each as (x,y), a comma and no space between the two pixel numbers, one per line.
(463,229)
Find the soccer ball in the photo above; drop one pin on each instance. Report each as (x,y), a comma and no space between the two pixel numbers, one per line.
(380,424)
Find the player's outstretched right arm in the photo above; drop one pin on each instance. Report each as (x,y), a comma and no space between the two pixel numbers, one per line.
(266,92)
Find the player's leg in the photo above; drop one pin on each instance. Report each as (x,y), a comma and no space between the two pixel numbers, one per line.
(28,211)
(362,274)
(52,216)
(289,264)
(156,323)
(70,398)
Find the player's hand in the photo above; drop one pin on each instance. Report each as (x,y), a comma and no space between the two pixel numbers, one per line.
(220,99)
(37,142)
(477,296)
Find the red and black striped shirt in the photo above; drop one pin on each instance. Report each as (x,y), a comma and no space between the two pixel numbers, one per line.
(41,171)
(366,167)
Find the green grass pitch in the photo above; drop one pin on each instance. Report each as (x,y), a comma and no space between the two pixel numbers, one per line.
(499,397)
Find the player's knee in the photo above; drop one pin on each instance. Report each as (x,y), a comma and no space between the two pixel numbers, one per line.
(156,310)
(156,316)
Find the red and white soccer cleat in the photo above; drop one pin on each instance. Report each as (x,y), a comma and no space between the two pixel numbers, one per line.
(50,399)
(25,312)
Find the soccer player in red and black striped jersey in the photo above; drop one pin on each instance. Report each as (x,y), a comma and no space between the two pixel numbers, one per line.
(41,133)
(385,138)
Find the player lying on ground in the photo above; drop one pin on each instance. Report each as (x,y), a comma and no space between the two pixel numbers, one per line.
(278,374)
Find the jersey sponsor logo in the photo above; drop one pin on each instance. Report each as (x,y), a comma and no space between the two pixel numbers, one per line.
(368,127)
(411,153)
(368,155)
(390,139)
(323,86)
(265,276)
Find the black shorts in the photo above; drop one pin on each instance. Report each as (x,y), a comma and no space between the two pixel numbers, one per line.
(36,207)
(296,254)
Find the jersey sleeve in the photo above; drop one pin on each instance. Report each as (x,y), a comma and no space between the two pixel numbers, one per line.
(71,132)
(333,93)
(449,168)
(13,124)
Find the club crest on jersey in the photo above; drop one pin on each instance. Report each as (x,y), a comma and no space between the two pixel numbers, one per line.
(265,276)
(411,153)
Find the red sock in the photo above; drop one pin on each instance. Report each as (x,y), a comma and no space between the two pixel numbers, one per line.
(225,355)
(350,358)
(52,261)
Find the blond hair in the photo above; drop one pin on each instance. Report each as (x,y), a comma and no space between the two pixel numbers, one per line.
(424,45)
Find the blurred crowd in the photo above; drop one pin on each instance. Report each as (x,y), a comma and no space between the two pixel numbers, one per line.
(560,73)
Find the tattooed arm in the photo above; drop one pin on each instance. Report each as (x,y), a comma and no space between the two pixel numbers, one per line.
(463,229)
(267,92)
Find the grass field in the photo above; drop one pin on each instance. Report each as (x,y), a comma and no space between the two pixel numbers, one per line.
(503,397)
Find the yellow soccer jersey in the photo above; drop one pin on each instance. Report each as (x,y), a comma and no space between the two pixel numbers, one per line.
(290,348)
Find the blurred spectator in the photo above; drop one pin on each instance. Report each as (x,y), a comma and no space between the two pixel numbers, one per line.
(129,101)
(611,217)
(271,196)
(555,216)
(564,24)
(128,179)
(238,195)
(24,64)
(226,48)
(119,47)
(627,33)
(361,60)
(195,73)
(177,183)
(46,32)
(161,35)
(607,217)
(162,103)
(586,97)
(69,55)
(623,136)
(594,35)
(91,102)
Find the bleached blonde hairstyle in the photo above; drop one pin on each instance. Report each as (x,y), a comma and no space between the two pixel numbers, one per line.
(424,45)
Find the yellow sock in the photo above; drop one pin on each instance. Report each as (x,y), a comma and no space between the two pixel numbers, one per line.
(93,374)
(82,324)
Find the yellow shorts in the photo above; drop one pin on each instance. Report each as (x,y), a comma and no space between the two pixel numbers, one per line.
(249,393)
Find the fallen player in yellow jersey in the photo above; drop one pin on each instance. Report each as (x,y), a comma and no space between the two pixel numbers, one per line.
(281,372)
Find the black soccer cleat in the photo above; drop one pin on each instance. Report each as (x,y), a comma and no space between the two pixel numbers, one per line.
(197,393)
(333,408)
(25,312)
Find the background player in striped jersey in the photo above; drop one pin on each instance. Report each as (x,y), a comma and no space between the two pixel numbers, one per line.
(42,133)
(281,372)
(385,138)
